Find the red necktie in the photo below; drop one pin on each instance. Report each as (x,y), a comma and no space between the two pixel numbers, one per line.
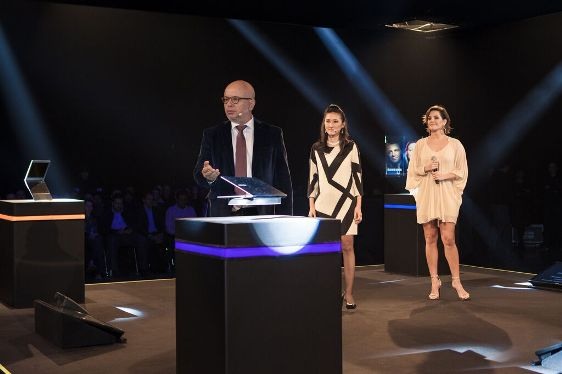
(240,166)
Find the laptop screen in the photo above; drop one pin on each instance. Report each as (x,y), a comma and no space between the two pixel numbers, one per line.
(37,169)
(253,187)
(35,179)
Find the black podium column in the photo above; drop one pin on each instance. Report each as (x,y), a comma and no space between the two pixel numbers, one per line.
(404,243)
(258,294)
(41,250)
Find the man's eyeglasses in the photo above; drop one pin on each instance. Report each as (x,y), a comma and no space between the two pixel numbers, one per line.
(234,99)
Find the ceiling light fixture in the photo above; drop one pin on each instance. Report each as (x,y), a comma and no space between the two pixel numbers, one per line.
(421,26)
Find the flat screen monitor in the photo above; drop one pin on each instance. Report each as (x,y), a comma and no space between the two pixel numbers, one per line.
(398,150)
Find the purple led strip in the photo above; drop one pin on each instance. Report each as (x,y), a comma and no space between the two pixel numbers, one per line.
(242,252)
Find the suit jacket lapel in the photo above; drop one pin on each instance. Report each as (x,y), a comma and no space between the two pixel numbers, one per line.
(226,134)
(259,135)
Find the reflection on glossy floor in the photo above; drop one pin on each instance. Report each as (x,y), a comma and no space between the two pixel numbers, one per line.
(395,328)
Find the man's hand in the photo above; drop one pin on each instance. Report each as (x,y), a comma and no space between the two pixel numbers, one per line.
(209,173)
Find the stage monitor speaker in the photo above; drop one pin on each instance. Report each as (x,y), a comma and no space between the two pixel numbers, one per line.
(68,325)
(550,357)
(550,279)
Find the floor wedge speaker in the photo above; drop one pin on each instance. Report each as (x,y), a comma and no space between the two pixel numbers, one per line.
(66,324)
(550,357)
(550,279)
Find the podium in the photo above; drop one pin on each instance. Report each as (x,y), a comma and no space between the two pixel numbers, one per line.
(41,250)
(258,294)
(404,242)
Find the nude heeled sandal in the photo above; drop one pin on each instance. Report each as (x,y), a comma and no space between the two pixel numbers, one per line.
(464,297)
(435,296)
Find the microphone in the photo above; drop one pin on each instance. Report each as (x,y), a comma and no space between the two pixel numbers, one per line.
(434,159)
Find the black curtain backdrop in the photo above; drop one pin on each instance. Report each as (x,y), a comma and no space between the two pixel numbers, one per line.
(127,94)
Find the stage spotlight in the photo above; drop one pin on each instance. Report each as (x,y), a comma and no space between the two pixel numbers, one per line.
(304,85)
(296,233)
(517,123)
(285,66)
(24,115)
(378,103)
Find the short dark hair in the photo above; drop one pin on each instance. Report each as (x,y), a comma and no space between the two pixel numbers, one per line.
(179,192)
(444,114)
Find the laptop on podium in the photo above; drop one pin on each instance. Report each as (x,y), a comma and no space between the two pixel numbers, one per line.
(35,180)
(253,191)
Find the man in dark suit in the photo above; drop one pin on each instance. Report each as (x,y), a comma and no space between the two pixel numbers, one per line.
(266,157)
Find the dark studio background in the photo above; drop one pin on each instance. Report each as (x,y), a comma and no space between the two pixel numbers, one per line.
(127,93)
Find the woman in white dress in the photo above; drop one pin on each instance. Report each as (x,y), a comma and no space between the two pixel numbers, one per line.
(335,186)
(437,175)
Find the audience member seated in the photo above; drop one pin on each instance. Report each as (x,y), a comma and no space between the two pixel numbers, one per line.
(18,195)
(199,200)
(99,204)
(157,196)
(151,225)
(167,196)
(93,243)
(181,209)
(85,184)
(130,200)
(119,228)
(552,202)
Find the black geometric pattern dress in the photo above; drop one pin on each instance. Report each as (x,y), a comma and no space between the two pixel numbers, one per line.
(335,182)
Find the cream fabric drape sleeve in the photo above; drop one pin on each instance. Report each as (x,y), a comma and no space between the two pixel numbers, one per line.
(460,168)
(415,168)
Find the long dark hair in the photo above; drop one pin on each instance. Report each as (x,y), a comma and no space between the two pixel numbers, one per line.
(344,132)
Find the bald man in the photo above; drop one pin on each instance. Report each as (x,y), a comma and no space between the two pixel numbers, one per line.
(266,156)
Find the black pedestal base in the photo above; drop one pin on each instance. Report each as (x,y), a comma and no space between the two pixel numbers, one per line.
(272,315)
(404,242)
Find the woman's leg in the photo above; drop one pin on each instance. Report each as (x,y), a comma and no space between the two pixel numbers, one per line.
(431,234)
(348,254)
(452,254)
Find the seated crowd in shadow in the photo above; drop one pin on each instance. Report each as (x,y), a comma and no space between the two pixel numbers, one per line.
(522,210)
(128,235)
(131,237)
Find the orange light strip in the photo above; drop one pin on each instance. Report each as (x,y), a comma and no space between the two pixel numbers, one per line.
(42,218)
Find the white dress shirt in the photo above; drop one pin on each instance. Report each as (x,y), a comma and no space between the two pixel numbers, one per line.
(249,135)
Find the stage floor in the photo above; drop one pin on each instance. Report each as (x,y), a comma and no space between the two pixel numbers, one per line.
(395,329)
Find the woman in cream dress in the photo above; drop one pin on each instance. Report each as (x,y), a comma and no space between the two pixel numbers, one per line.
(437,175)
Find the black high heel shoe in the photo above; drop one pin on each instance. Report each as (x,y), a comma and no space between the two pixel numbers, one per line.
(347,305)
(350,306)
